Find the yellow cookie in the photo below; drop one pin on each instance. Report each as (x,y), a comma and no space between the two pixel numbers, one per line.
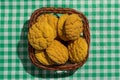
(73,27)
(51,20)
(43,58)
(41,34)
(61,30)
(77,50)
(70,27)
(57,52)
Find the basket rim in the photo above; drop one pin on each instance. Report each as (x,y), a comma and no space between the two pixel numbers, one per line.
(86,34)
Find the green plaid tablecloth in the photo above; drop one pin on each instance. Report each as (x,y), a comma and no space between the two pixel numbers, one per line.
(104,58)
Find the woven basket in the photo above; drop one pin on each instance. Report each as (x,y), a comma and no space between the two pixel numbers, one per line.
(86,35)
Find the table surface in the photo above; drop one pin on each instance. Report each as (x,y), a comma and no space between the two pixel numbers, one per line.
(104,57)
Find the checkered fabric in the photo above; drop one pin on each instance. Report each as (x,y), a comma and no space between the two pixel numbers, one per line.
(104,57)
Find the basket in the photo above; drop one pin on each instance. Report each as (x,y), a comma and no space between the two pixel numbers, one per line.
(86,35)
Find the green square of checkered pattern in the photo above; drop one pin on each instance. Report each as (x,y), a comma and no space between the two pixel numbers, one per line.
(104,58)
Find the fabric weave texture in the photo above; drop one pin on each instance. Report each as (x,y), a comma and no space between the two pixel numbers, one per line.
(104,57)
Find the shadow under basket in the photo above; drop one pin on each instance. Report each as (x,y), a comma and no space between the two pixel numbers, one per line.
(86,35)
